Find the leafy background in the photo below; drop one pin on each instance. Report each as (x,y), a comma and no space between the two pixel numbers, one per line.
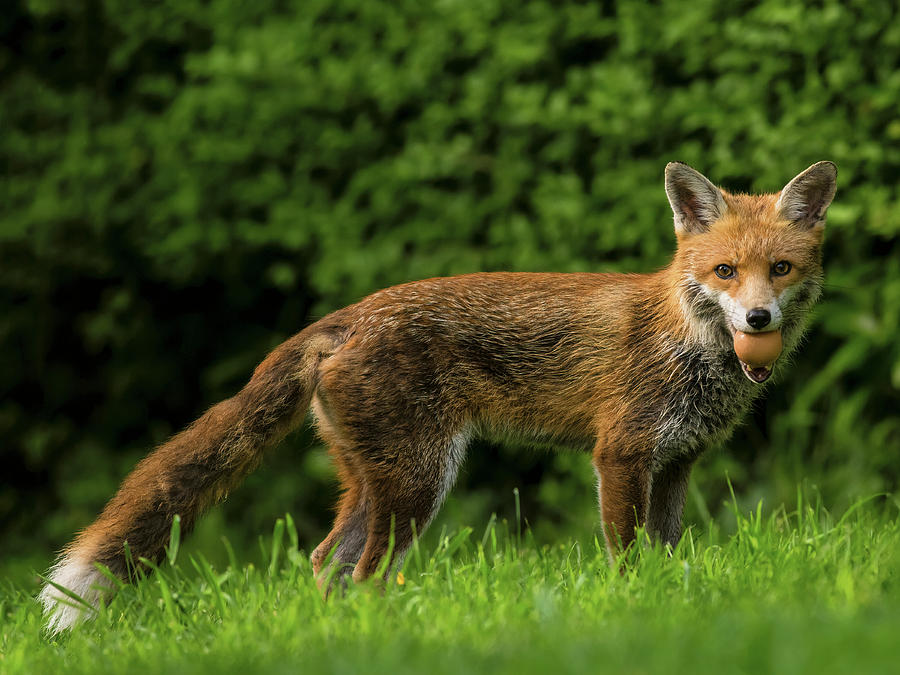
(185,184)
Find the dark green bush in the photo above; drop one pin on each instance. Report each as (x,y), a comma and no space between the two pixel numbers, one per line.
(186,184)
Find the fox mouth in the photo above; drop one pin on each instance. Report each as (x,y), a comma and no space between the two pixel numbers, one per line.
(757,358)
(757,375)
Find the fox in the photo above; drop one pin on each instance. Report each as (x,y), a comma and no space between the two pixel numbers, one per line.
(644,371)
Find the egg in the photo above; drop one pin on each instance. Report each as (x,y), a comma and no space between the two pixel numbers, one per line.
(758,350)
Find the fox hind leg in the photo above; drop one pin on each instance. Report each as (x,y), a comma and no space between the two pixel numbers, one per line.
(404,499)
(347,539)
(393,513)
(398,454)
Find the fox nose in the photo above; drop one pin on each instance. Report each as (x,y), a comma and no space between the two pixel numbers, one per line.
(759,318)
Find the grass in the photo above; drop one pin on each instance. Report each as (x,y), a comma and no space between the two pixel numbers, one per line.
(790,592)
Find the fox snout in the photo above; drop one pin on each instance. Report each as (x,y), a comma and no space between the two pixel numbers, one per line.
(759,318)
(753,315)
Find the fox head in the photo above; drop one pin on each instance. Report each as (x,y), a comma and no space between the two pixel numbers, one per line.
(749,264)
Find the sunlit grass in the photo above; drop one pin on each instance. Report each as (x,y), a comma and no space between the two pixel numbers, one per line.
(793,591)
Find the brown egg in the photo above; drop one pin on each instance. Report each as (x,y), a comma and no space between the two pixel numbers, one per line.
(758,349)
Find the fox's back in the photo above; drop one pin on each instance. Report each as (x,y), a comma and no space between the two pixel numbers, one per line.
(541,355)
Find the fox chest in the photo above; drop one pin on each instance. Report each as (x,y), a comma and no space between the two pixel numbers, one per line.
(701,405)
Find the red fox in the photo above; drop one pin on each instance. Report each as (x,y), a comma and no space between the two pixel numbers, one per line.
(642,370)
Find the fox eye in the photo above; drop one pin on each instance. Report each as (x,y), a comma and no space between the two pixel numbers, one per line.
(724,271)
(781,268)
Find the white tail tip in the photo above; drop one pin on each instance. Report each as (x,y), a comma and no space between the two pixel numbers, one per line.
(81,578)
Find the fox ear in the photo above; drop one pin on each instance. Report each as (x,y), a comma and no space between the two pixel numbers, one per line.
(696,202)
(805,199)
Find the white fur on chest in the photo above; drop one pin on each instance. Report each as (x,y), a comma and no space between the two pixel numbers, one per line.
(703,406)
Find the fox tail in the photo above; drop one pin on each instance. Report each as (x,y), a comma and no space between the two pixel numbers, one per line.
(190,472)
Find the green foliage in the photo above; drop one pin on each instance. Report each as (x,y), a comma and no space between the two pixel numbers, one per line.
(795,592)
(188,183)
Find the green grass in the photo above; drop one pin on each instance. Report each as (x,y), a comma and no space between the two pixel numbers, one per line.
(791,592)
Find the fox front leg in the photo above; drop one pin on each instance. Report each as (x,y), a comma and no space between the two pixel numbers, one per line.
(624,496)
(668,490)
